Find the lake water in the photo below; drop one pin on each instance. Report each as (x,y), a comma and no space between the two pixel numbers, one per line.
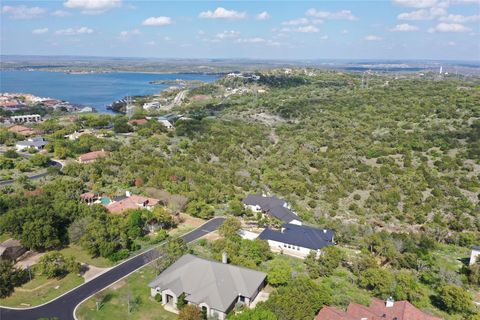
(93,89)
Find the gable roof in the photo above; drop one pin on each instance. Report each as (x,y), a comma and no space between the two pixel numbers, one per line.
(37,142)
(214,283)
(272,205)
(302,236)
(93,155)
(132,202)
(401,310)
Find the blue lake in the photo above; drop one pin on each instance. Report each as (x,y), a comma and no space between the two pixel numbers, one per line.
(93,89)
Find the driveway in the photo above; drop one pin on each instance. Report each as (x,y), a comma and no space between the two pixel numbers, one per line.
(63,307)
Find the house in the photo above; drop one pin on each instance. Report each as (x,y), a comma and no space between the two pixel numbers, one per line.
(77,134)
(215,287)
(123,203)
(297,240)
(378,310)
(24,131)
(89,197)
(138,121)
(92,156)
(475,255)
(165,122)
(11,249)
(273,207)
(151,105)
(26,118)
(38,143)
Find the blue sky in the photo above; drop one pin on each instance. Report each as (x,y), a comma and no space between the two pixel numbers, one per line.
(382,29)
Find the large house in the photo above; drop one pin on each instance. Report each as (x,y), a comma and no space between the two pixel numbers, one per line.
(297,240)
(273,207)
(123,203)
(475,255)
(378,310)
(92,156)
(11,249)
(37,143)
(214,287)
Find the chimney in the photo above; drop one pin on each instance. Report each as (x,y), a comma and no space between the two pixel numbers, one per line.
(390,302)
(127,193)
(324,230)
(224,258)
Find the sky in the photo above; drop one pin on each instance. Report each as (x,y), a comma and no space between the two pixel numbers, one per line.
(381,29)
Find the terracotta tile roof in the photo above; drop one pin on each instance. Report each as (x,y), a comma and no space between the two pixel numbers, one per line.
(138,121)
(91,156)
(88,195)
(132,202)
(401,310)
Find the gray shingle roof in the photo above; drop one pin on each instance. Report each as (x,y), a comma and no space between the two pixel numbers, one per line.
(214,283)
(37,142)
(272,205)
(302,236)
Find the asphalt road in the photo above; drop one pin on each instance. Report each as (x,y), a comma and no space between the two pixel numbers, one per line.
(33,177)
(64,306)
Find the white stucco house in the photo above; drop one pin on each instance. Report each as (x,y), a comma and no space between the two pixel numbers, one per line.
(38,143)
(297,240)
(272,206)
(475,255)
(214,287)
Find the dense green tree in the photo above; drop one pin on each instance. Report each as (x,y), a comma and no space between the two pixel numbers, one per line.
(55,264)
(10,277)
(302,298)
(279,272)
(454,299)
(230,228)
(380,281)
(254,314)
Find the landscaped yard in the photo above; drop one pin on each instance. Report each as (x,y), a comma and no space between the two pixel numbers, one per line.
(84,257)
(115,302)
(40,290)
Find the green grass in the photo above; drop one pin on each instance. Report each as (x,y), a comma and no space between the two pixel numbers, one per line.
(84,257)
(4,236)
(41,290)
(115,305)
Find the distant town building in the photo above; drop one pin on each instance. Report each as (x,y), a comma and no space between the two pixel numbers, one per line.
(378,309)
(28,118)
(151,105)
(165,122)
(215,287)
(272,206)
(11,249)
(92,156)
(38,143)
(298,240)
(475,255)
(86,109)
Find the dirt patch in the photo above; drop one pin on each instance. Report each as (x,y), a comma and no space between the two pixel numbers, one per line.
(118,285)
(28,259)
(90,272)
(212,236)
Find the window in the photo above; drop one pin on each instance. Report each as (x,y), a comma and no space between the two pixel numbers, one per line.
(284,245)
(298,248)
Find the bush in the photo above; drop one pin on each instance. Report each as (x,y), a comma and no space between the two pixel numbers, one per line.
(55,264)
(119,255)
(158,297)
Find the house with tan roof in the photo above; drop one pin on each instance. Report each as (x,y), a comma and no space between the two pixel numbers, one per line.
(215,287)
(92,156)
(11,249)
(127,202)
(377,310)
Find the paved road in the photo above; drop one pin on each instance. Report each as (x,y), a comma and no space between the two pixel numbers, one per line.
(35,176)
(63,307)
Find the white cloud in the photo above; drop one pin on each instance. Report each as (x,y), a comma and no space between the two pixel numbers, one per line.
(222,13)
(61,13)
(40,31)
(263,16)
(125,35)
(251,40)
(449,27)
(404,27)
(74,31)
(373,38)
(296,22)
(451,43)
(458,18)
(340,15)
(325,37)
(416,3)
(422,14)
(227,35)
(305,29)
(92,6)
(23,12)
(157,21)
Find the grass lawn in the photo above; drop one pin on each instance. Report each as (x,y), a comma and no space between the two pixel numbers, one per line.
(41,290)
(83,256)
(4,236)
(115,305)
